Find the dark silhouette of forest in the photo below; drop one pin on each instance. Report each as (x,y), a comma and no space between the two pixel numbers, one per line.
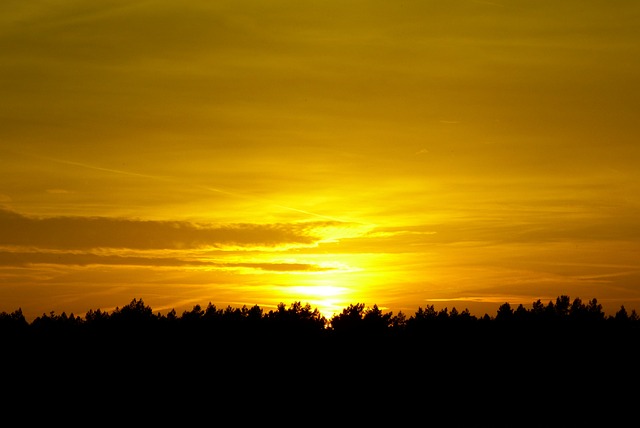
(303,322)
(556,328)
(520,367)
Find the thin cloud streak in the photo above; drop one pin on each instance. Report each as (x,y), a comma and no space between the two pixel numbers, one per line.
(30,259)
(105,232)
(235,194)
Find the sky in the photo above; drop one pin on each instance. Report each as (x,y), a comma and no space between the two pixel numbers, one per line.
(462,154)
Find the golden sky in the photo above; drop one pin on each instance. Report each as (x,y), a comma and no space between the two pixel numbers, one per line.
(453,153)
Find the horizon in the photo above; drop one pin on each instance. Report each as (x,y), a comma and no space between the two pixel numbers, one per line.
(366,307)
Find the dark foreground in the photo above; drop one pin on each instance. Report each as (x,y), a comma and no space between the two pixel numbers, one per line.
(289,369)
(502,379)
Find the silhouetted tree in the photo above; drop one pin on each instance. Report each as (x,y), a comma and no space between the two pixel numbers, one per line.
(13,326)
(563,303)
(134,325)
(135,313)
(399,321)
(594,309)
(505,313)
(96,317)
(621,316)
(550,312)
(212,317)
(13,321)
(54,323)
(375,321)
(297,322)
(349,320)
(521,314)
(427,314)
(423,321)
(172,315)
(537,310)
(193,316)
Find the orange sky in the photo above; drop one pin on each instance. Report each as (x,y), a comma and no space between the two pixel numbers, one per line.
(457,154)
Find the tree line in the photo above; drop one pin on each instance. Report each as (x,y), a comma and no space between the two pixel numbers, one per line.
(427,346)
(521,361)
(303,320)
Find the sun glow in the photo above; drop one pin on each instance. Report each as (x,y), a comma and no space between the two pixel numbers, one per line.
(329,291)
(319,291)
(347,279)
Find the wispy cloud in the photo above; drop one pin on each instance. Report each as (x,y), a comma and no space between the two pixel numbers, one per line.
(281,267)
(27,259)
(85,233)
(27,242)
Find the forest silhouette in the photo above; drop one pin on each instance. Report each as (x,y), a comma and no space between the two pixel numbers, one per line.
(558,329)
(506,370)
(303,322)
